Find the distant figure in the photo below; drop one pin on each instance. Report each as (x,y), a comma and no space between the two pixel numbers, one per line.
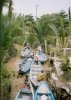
(32,54)
(39,48)
(26,46)
(20,72)
(40,76)
(36,58)
(43,47)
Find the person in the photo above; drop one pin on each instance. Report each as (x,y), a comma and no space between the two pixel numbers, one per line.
(27,46)
(39,48)
(40,76)
(36,58)
(20,73)
(32,54)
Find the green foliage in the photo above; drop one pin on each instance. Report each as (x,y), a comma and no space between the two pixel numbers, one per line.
(5,72)
(64,63)
(64,67)
(11,52)
(19,40)
(32,39)
(69,13)
(5,94)
(5,83)
(7,36)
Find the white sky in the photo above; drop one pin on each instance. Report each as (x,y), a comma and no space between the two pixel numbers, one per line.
(45,6)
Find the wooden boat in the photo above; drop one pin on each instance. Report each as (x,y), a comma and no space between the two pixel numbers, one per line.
(26,64)
(34,71)
(24,94)
(25,52)
(32,89)
(41,56)
(43,92)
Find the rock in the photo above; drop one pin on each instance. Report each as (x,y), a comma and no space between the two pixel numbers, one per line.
(58,69)
(54,77)
(69,86)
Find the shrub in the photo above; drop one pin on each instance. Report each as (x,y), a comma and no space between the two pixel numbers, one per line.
(19,40)
(11,52)
(65,63)
(5,85)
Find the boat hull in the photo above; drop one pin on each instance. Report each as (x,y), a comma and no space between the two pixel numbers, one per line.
(24,94)
(43,91)
(26,65)
(41,56)
(34,71)
(25,53)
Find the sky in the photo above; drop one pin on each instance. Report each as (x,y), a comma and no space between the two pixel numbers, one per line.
(44,6)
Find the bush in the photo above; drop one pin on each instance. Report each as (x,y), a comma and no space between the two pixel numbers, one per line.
(64,67)
(5,86)
(6,57)
(19,40)
(32,39)
(5,89)
(11,52)
(65,63)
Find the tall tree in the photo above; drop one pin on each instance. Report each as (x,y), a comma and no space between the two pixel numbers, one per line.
(69,12)
(2,3)
(10,9)
(42,29)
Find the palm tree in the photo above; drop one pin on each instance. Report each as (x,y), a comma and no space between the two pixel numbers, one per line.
(42,30)
(69,12)
(61,33)
(10,9)
(2,3)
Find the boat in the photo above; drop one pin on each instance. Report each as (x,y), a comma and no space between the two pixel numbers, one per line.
(34,71)
(41,56)
(26,64)
(43,92)
(32,89)
(25,52)
(24,94)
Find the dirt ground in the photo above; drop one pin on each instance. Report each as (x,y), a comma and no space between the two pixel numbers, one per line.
(16,83)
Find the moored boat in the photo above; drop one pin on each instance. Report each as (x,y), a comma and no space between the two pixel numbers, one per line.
(25,52)
(26,65)
(34,71)
(41,56)
(24,94)
(43,92)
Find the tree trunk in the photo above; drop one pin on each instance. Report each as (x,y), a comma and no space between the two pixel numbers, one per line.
(45,44)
